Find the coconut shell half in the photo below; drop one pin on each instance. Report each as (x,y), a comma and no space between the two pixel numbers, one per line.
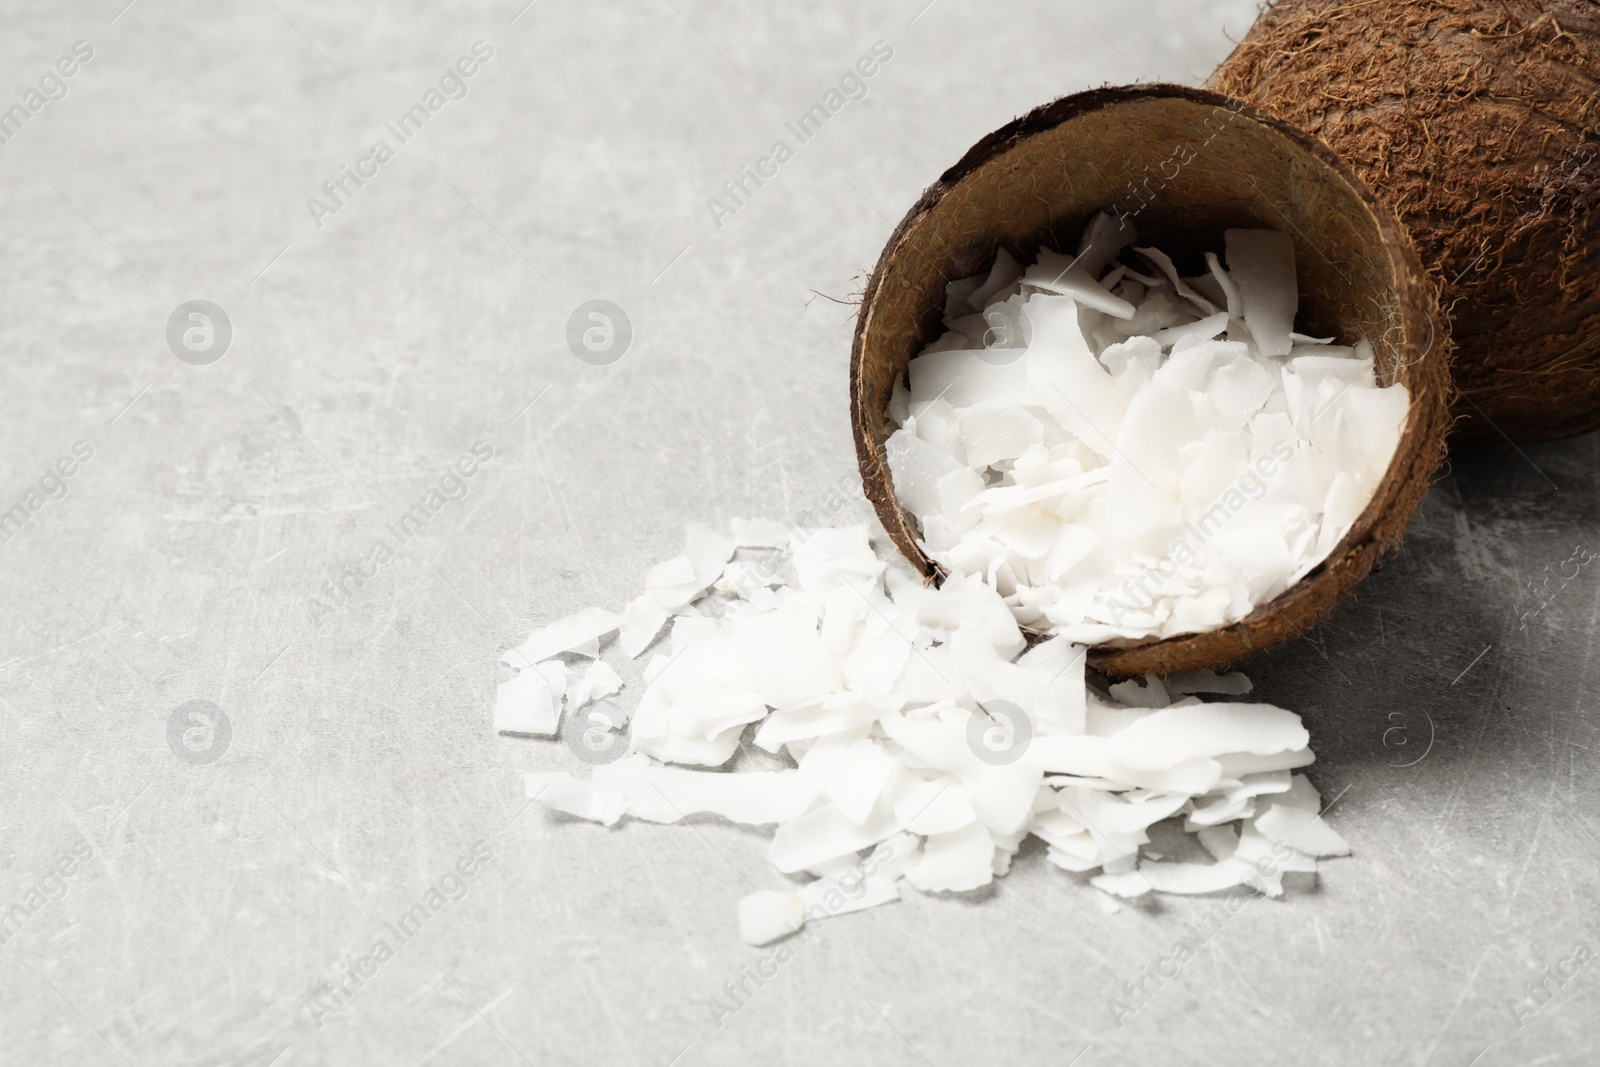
(1184,165)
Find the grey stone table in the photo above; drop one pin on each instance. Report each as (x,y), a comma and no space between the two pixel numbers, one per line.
(191,898)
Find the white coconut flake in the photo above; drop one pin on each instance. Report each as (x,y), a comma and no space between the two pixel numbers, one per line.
(599,680)
(565,635)
(1002,275)
(1067,277)
(1164,264)
(957,861)
(1173,735)
(524,704)
(1301,830)
(1261,263)
(668,794)
(1221,841)
(1102,240)
(1177,878)
(562,792)
(759,533)
(823,835)
(767,915)
(840,894)
(678,581)
(641,623)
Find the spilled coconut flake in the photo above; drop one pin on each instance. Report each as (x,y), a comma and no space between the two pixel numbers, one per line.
(1127,453)
(918,740)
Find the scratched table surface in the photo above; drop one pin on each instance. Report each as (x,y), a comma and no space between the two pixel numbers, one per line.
(254,811)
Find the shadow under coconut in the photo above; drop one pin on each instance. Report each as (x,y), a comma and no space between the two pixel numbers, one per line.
(1450,675)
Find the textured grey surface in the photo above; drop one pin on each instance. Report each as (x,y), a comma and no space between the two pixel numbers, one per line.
(370,353)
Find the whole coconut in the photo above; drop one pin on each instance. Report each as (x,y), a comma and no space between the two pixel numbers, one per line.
(1475,121)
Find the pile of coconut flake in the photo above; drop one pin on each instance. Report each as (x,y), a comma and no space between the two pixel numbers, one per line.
(1127,454)
(910,724)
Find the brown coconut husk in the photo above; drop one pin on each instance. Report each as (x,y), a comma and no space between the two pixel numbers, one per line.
(1475,121)
(1038,181)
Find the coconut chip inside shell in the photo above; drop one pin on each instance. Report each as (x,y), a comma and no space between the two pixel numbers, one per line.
(1125,459)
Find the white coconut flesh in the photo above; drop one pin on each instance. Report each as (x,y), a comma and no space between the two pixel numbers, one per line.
(1124,453)
(900,738)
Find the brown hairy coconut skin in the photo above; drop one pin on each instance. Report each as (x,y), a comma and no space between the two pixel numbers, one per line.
(1475,120)
(1184,165)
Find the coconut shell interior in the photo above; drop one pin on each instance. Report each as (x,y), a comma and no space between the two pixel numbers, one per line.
(1184,165)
